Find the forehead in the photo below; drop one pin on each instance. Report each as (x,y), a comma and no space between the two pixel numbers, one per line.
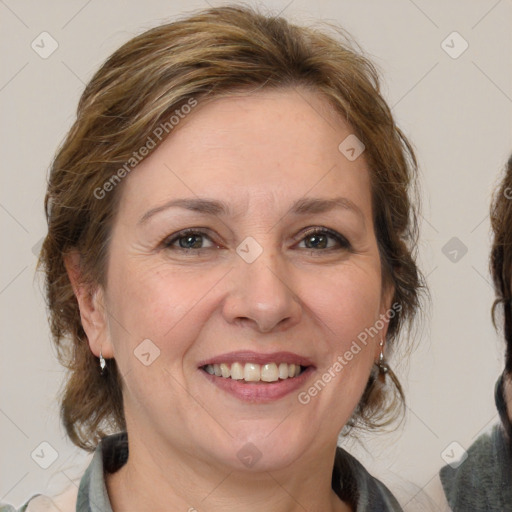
(272,145)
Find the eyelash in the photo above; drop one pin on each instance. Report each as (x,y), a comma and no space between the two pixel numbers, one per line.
(340,239)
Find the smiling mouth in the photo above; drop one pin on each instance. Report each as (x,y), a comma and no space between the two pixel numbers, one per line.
(253,372)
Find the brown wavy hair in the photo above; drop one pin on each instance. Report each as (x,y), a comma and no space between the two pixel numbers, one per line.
(501,258)
(209,54)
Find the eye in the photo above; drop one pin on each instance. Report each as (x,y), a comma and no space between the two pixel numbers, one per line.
(314,239)
(188,239)
(318,238)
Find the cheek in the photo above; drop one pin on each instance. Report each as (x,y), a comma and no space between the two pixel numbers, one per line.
(349,303)
(348,309)
(346,316)
(151,329)
(157,303)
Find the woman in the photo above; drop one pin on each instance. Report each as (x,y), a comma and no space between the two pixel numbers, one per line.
(483,481)
(228,260)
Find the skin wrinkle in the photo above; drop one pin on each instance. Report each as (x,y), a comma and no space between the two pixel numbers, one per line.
(220,208)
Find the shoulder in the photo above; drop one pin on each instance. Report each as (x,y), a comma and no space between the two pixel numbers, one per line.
(64,502)
(354,484)
(481,479)
(61,489)
(9,508)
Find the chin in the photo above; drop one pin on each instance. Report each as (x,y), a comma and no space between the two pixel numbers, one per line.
(267,449)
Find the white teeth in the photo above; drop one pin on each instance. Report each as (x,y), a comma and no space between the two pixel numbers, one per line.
(269,372)
(237,371)
(224,369)
(252,372)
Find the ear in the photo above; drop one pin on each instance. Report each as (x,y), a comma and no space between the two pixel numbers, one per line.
(93,313)
(387,311)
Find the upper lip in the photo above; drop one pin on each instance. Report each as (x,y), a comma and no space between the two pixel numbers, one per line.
(248,356)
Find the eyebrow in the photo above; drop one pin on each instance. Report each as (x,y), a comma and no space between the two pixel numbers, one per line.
(303,206)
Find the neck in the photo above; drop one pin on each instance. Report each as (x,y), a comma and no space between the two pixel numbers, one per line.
(157,481)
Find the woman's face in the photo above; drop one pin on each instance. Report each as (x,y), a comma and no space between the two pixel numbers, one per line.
(280,267)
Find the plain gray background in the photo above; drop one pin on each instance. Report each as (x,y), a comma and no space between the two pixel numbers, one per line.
(456,111)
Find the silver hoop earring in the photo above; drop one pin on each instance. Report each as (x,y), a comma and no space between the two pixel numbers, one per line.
(102,363)
(382,363)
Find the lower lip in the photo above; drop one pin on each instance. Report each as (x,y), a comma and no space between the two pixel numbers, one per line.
(260,391)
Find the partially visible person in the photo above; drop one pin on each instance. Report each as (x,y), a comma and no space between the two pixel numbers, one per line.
(483,482)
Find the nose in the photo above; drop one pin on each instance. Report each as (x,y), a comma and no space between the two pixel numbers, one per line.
(262,295)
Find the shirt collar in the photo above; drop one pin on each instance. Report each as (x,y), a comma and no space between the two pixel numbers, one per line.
(110,454)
